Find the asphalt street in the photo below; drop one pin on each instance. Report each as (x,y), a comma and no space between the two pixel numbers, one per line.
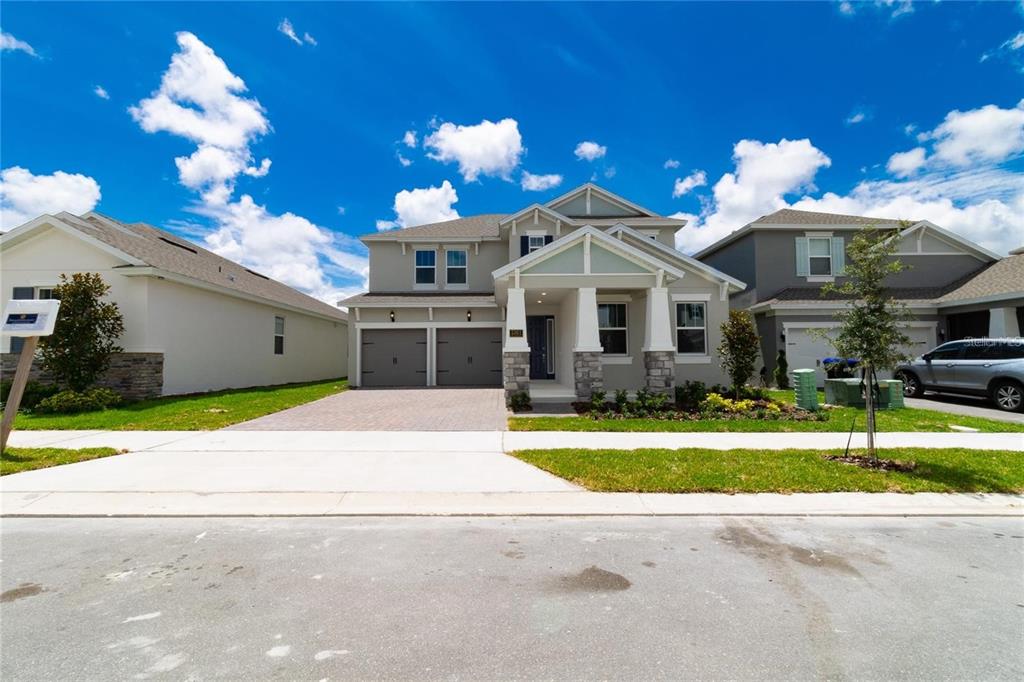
(538,598)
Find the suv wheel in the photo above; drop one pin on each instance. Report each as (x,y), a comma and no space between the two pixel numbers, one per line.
(911,384)
(1008,396)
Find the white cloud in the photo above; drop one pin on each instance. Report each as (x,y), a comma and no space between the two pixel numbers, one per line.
(610,172)
(590,150)
(985,135)
(909,129)
(9,43)
(855,118)
(671,163)
(101,92)
(1016,42)
(199,99)
(402,160)
(487,148)
(309,40)
(24,196)
(846,7)
(697,178)
(409,139)
(288,30)
(539,183)
(905,164)
(341,210)
(422,206)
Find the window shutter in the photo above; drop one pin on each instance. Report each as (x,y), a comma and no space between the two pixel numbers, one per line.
(524,245)
(548,239)
(838,257)
(802,264)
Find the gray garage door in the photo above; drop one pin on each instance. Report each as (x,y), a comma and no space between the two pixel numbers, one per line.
(468,357)
(394,357)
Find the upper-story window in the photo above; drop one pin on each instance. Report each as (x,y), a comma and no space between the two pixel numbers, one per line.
(456,266)
(426,266)
(819,250)
(536,241)
(820,257)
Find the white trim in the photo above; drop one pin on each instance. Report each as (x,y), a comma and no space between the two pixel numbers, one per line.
(702,269)
(536,233)
(818,235)
(692,359)
(10,239)
(951,237)
(676,328)
(623,329)
(609,196)
(432,248)
(428,325)
(690,298)
(993,298)
(614,298)
(448,285)
(616,359)
(555,216)
(427,304)
(818,279)
(913,324)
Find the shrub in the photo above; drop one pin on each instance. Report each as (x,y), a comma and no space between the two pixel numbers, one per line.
(597,401)
(690,394)
(34,392)
(781,372)
(740,348)
(73,402)
(621,400)
(714,402)
(519,402)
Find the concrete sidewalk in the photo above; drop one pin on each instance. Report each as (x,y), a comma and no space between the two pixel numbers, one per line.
(570,503)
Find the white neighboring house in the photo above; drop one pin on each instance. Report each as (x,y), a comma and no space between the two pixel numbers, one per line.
(194,321)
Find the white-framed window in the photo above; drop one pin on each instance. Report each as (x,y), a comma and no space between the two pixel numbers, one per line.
(456,267)
(28,293)
(819,256)
(534,242)
(426,267)
(44,293)
(278,335)
(691,328)
(612,328)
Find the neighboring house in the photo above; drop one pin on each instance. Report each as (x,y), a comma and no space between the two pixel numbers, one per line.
(583,293)
(953,287)
(194,321)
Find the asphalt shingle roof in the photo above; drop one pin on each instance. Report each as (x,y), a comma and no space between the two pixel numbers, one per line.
(789,216)
(1005,277)
(484,225)
(166,251)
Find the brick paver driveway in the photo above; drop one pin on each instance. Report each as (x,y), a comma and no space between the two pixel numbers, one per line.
(393,409)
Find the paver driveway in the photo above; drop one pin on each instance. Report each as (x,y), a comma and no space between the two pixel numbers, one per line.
(393,409)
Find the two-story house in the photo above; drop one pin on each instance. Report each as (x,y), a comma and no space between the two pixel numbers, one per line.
(951,285)
(585,292)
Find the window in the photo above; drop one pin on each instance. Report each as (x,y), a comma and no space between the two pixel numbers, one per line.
(536,241)
(611,327)
(278,336)
(950,351)
(691,329)
(44,293)
(819,251)
(455,267)
(426,261)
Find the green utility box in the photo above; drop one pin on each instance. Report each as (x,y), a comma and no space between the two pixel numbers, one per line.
(844,392)
(805,388)
(894,389)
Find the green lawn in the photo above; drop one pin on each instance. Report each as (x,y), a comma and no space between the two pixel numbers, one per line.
(16,460)
(782,471)
(907,419)
(189,413)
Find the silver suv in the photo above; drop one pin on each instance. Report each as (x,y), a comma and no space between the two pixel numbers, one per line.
(986,367)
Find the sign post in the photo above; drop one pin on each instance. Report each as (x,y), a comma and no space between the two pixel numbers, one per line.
(27,319)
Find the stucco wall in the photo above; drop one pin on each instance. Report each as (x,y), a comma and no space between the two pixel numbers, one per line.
(391,271)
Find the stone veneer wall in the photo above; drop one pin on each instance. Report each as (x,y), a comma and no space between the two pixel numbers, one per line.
(659,371)
(134,375)
(515,372)
(588,373)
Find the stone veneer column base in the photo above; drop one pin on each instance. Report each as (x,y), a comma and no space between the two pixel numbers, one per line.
(135,376)
(588,373)
(515,372)
(659,371)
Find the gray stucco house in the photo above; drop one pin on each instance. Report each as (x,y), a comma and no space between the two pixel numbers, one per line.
(953,287)
(585,292)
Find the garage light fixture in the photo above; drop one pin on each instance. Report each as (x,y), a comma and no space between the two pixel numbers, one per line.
(392,315)
(543,293)
(469,316)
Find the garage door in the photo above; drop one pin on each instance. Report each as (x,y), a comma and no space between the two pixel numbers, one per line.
(394,357)
(468,357)
(807,350)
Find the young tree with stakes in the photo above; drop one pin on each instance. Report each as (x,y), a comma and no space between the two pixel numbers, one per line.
(739,349)
(871,326)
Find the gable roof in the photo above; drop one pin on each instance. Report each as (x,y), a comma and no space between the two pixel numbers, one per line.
(483,226)
(678,256)
(977,250)
(1003,279)
(791,216)
(144,246)
(604,194)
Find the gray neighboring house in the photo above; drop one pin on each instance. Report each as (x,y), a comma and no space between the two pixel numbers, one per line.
(585,292)
(953,287)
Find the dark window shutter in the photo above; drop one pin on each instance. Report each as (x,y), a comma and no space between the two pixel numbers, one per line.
(524,245)
(548,239)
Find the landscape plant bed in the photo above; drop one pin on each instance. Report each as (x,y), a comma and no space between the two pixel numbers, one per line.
(781,471)
(198,412)
(760,410)
(16,460)
(868,462)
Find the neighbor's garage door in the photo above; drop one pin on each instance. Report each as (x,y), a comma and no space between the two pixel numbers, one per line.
(806,350)
(394,357)
(469,357)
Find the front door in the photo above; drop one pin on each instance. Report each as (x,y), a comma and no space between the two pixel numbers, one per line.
(539,334)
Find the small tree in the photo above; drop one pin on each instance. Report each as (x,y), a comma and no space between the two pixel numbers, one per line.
(871,327)
(739,349)
(85,336)
(781,370)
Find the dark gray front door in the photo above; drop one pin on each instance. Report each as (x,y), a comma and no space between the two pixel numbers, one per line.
(469,357)
(539,332)
(394,357)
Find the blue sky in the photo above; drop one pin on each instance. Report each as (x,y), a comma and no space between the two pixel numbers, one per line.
(717,112)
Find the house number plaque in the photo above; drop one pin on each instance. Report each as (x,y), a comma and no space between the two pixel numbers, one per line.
(515,333)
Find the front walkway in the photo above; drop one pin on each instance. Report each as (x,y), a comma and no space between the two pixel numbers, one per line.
(392,409)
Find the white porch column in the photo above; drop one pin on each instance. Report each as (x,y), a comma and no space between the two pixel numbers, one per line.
(515,323)
(587,338)
(1002,322)
(657,326)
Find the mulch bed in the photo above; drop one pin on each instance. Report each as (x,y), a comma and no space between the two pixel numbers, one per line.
(877,464)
